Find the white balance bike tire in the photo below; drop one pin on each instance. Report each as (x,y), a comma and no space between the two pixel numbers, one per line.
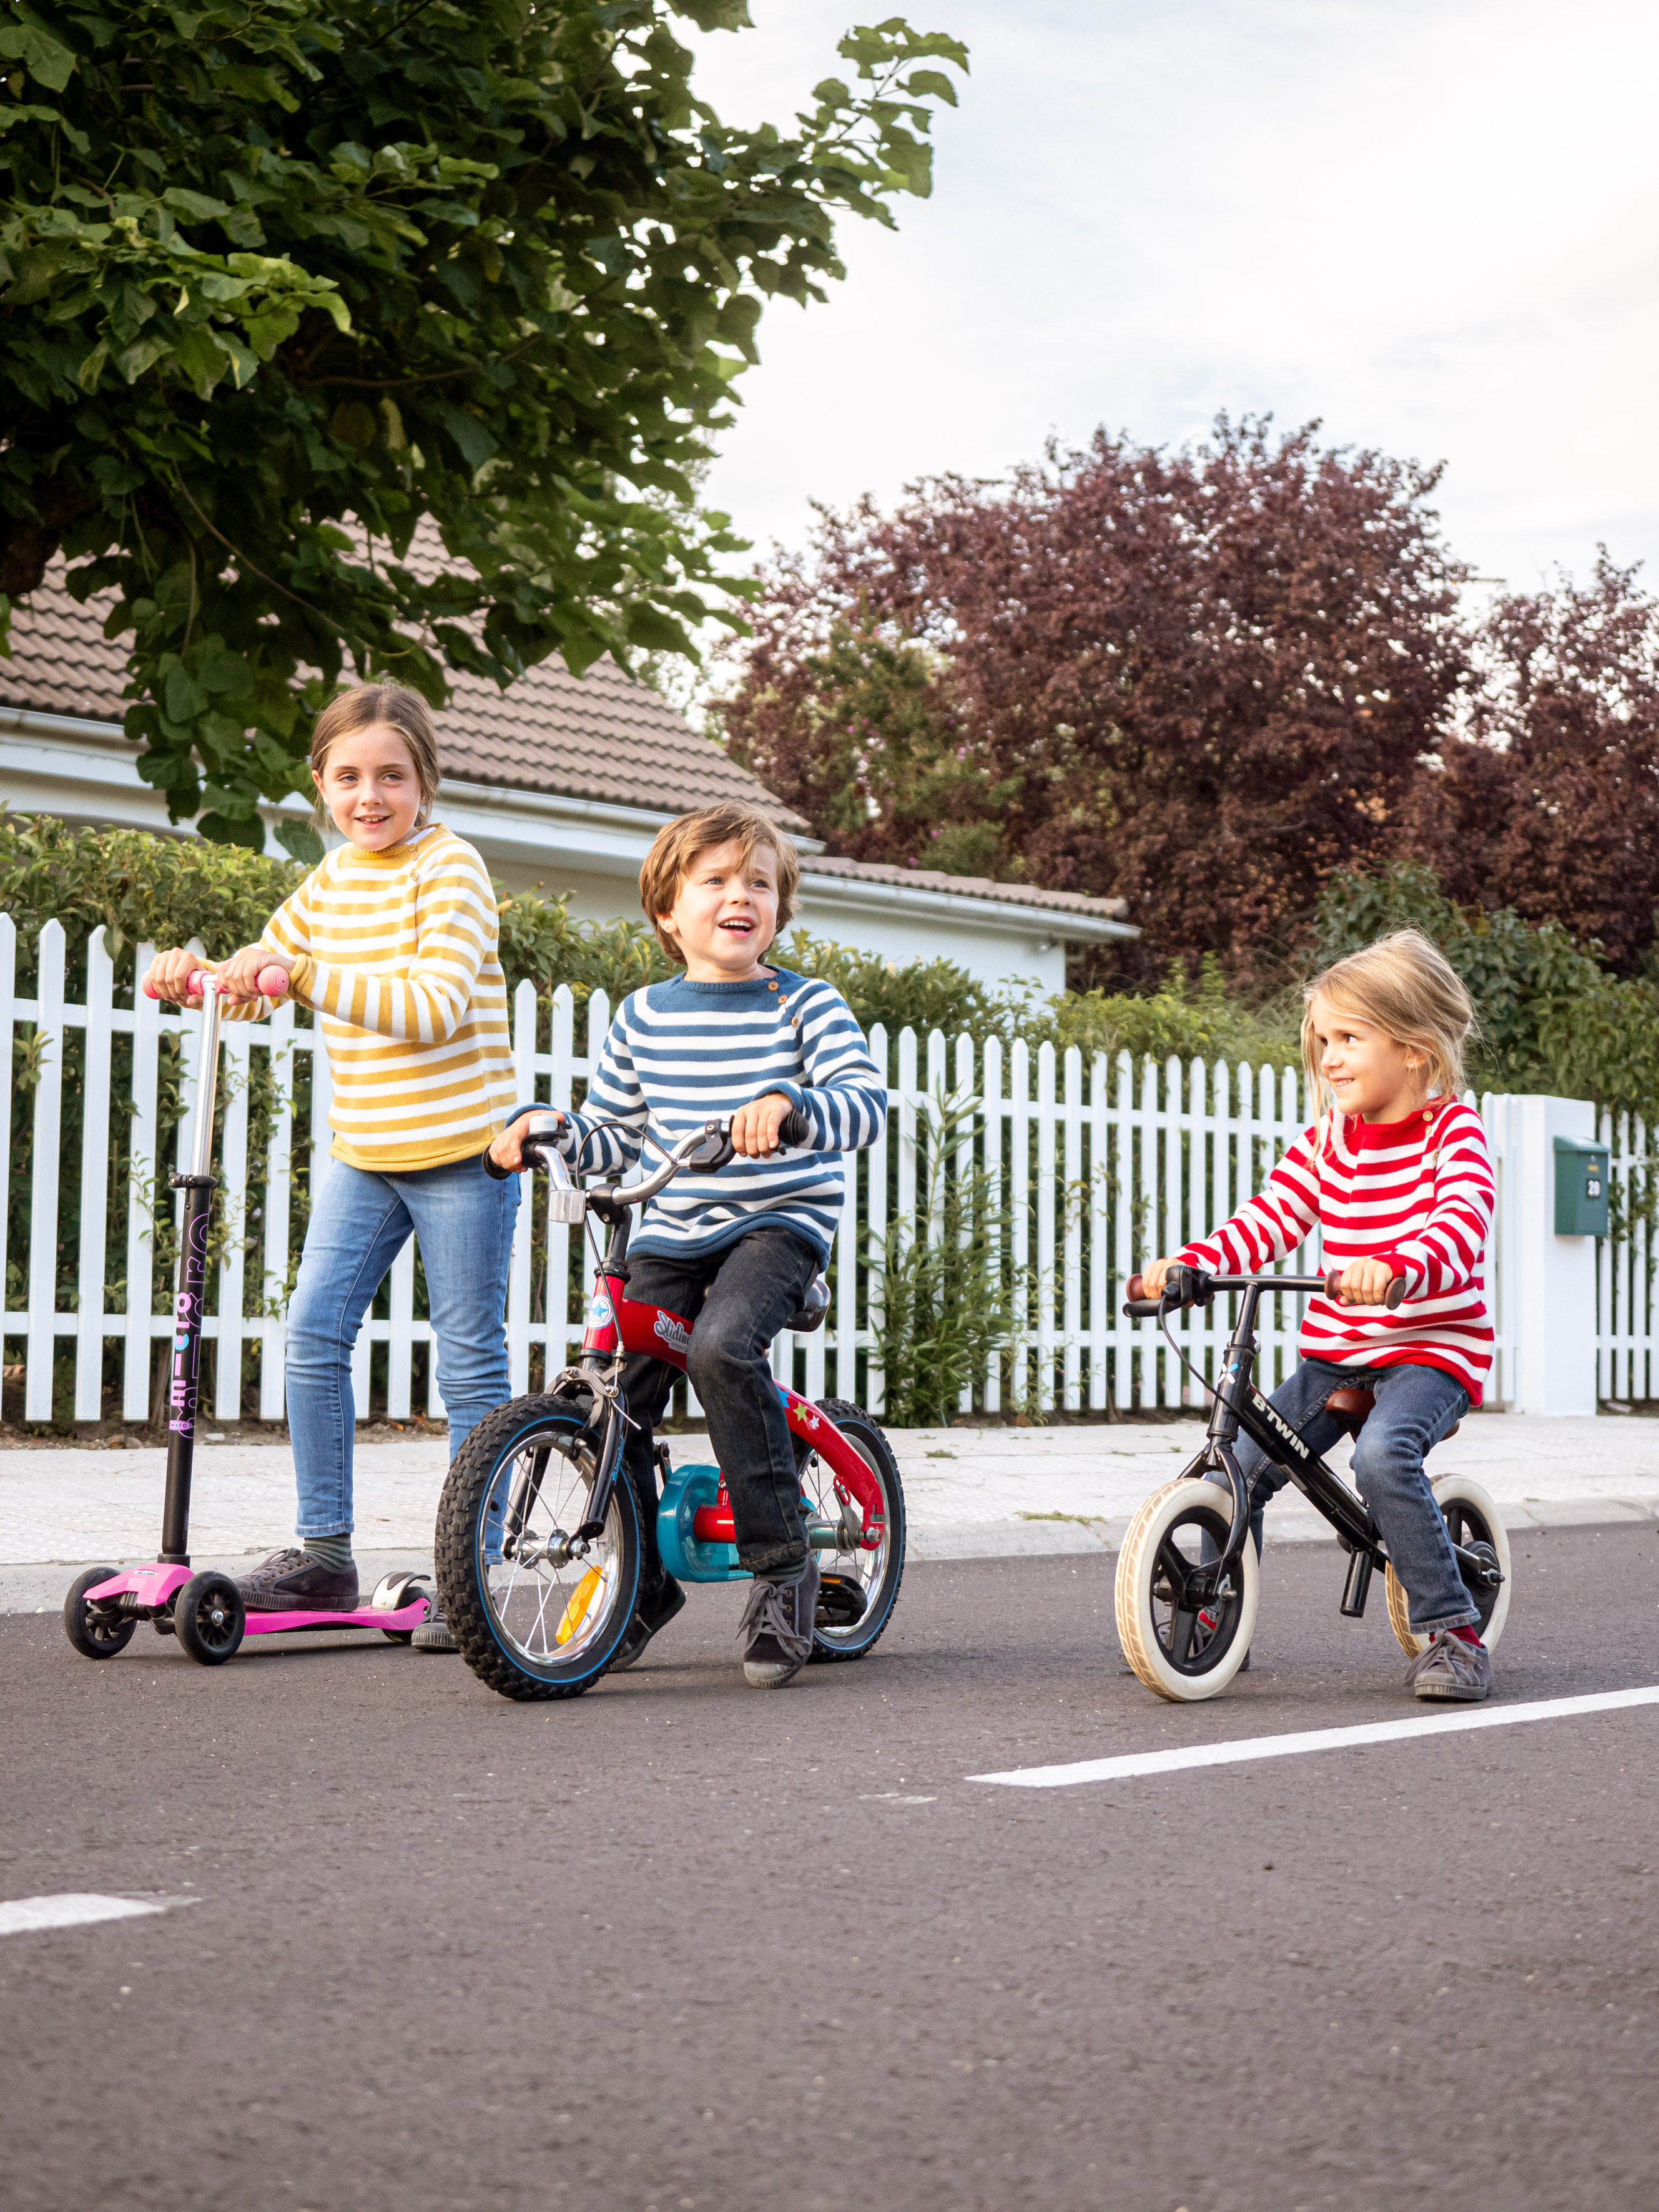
(1178,1517)
(1474,1520)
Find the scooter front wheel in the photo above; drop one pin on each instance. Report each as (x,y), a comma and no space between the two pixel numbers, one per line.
(209,1619)
(1472,1520)
(97,1631)
(1185,1643)
(537,1610)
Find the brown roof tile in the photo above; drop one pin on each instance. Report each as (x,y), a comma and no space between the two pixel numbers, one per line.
(602,736)
(979,887)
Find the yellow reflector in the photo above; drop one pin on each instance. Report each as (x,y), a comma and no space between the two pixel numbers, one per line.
(581,1599)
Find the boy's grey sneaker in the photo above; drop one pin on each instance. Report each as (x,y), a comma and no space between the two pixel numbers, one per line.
(776,1629)
(1451,1669)
(433,1634)
(293,1581)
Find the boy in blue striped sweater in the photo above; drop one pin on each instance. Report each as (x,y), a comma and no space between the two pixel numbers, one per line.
(735,1252)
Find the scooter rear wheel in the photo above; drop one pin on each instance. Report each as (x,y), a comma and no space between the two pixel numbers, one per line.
(209,1619)
(1184,1648)
(96,1632)
(531,1621)
(1475,1523)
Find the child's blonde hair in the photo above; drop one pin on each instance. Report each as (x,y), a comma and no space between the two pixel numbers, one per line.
(1406,988)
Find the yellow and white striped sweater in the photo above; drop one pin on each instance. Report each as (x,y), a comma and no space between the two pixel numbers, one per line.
(396,953)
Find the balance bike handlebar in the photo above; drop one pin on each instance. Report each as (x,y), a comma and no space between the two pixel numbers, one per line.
(1188,1286)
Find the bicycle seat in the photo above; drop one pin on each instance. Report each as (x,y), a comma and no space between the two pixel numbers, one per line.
(812,1309)
(1350,1409)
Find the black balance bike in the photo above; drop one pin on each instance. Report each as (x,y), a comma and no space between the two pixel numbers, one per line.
(1187,1578)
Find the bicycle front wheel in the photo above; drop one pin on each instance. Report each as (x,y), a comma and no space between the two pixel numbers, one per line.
(538,1611)
(1184,1641)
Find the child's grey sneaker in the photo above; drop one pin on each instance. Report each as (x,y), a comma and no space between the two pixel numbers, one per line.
(433,1634)
(1451,1669)
(776,1629)
(293,1581)
(649,1616)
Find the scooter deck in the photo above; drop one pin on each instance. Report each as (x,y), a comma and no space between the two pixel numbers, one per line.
(154,1585)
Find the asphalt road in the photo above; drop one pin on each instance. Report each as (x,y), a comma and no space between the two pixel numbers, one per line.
(680,1945)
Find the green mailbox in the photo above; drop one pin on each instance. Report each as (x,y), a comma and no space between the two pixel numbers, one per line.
(1581,1187)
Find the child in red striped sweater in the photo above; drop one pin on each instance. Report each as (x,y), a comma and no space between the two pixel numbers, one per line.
(1396,1177)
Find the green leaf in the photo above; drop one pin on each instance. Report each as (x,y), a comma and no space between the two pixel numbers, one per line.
(299,839)
(47,61)
(183,698)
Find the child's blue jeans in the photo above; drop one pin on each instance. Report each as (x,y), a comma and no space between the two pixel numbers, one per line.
(1415,1406)
(464,1219)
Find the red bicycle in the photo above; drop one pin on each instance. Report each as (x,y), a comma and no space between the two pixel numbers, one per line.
(538,1547)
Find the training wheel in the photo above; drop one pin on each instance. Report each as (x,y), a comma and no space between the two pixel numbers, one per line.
(97,1631)
(209,1619)
(1183,1647)
(1473,1521)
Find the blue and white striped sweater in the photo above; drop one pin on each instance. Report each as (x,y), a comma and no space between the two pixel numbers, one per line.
(678,1053)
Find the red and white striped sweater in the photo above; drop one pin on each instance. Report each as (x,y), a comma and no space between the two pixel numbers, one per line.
(1418,1193)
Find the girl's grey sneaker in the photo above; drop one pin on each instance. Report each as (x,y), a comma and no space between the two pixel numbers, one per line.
(433,1634)
(1451,1669)
(293,1581)
(776,1629)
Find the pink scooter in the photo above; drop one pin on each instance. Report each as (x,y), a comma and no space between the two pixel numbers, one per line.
(205,1612)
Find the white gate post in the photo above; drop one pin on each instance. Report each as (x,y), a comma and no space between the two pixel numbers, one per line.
(1550,1280)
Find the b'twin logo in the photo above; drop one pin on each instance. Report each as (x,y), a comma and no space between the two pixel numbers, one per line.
(1276,1420)
(674,1333)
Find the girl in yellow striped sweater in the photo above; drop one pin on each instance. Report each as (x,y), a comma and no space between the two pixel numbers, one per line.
(393,943)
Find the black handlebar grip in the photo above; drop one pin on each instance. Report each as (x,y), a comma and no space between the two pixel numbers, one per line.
(1394,1298)
(1137,1306)
(796,1128)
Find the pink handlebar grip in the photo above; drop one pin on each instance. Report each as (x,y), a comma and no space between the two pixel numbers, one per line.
(273,982)
(193,987)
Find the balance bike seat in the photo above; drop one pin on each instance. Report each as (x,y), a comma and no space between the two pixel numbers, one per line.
(1351,1409)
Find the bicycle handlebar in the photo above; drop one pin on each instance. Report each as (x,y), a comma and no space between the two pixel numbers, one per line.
(707,1150)
(1189,1287)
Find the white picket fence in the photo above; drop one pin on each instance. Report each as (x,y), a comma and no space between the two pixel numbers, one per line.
(1625,1334)
(1088,1168)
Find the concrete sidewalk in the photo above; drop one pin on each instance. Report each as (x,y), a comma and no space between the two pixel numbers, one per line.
(972,1493)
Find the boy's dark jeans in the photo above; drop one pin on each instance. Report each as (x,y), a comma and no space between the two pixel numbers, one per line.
(737,1300)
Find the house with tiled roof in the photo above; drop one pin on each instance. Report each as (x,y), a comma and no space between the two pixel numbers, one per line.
(561,782)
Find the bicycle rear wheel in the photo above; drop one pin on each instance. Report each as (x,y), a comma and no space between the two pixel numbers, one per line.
(860,1588)
(536,1615)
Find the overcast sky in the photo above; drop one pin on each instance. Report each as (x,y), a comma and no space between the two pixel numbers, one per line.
(1433,223)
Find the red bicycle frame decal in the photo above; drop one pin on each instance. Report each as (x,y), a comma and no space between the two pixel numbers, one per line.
(616,1322)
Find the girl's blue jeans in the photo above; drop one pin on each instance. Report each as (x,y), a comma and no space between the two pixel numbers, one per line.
(1415,1406)
(464,1219)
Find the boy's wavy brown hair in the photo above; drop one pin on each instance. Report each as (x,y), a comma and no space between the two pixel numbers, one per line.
(674,853)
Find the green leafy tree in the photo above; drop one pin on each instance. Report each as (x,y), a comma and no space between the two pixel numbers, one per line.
(283,278)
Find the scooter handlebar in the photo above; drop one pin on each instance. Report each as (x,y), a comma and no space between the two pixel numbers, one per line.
(193,988)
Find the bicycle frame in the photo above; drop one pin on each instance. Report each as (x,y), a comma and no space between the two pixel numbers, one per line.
(1235,1404)
(617,1324)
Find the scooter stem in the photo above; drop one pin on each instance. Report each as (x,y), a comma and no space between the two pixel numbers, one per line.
(184,1382)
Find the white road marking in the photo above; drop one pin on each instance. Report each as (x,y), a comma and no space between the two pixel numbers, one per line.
(22,1916)
(1339,1739)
